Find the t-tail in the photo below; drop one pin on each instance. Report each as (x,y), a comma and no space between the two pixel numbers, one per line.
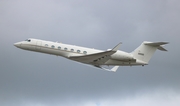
(146,50)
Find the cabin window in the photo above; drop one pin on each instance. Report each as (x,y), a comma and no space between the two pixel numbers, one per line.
(53,46)
(85,52)
(59,47)
(46,45)
(78,51)
(72,50)
(65,48)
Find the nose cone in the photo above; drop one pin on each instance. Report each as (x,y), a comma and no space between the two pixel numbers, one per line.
(17,44)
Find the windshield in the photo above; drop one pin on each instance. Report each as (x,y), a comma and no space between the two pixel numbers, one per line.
(28,40)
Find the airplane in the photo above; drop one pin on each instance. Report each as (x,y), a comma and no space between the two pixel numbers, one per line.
(97,58)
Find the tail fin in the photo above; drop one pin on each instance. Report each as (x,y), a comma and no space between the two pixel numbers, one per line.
(145,51)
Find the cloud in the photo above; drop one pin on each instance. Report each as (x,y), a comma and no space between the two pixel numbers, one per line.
(156,98)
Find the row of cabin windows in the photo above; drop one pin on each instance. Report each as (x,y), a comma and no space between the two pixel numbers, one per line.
(72,50)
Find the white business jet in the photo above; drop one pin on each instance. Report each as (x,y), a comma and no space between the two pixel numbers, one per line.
(94,57)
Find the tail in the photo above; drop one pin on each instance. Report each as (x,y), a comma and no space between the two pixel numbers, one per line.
(145,51)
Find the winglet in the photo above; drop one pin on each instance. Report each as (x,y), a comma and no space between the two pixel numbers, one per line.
(116,47)
(114,68)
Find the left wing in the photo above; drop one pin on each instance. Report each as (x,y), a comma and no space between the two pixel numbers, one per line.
(96,58)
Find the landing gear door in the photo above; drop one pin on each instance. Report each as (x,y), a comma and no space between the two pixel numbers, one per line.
(38,45)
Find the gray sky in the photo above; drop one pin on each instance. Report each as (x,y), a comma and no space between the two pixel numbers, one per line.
(35,79)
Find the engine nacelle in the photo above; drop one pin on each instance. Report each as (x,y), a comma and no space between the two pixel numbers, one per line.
(119,55)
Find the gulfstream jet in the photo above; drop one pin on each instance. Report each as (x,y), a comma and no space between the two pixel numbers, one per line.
(97,58)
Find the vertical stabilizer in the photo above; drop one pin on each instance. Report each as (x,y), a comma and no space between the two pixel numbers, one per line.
(145,51)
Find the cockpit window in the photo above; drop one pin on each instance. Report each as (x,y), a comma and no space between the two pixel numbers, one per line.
(28,40)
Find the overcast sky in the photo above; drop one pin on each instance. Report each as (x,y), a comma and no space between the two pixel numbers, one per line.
(35,79)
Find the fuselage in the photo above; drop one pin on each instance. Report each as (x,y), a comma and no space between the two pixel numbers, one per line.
(59,49)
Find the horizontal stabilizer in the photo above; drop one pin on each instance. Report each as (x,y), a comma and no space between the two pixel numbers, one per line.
(157,44)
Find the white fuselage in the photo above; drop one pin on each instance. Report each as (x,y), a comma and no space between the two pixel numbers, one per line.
(119,58)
